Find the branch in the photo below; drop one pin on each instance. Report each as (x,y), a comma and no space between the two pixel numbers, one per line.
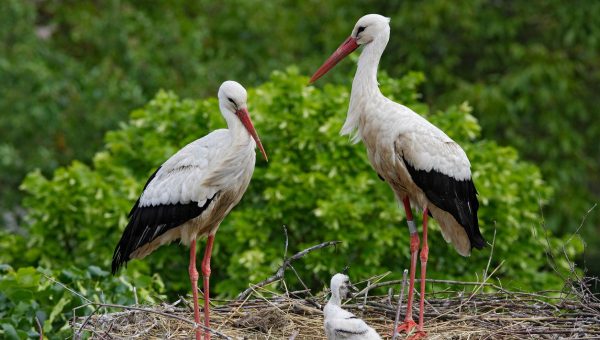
(397,320)
(39,325)
(281,271)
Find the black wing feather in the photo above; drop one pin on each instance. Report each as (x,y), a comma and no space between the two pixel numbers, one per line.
(148,223)
(459,198)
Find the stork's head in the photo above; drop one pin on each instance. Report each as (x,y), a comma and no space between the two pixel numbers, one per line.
(341,286)
(367,29)
(232,101)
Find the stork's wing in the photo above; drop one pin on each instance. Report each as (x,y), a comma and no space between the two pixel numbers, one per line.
(348,326)
(442,170)
(174,194)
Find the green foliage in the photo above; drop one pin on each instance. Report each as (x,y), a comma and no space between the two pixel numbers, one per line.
(28,294)
(53,108)
(316,183)
(69,71)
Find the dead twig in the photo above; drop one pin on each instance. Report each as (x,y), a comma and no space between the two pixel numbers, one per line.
(279,274)
(400,296)
(40,328)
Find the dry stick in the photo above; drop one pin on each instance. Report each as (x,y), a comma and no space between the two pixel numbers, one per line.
(487,268)
(233,312)
(581,295)
(549,255)
(472,294)
(485,280)
(135,297)
(108,330)
(78,334)
(390,296)
(64,286)
(395,282)
(309,300)
(108,305)
(364,305)
(285,251)
(264,298)
(279,274)
(37,321)
(299,279)
(72,291)
(401,295)
(576,232)
(374,279)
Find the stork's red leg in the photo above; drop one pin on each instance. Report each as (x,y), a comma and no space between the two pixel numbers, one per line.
(206,276)
(194,279)
(409,323)
(424,255)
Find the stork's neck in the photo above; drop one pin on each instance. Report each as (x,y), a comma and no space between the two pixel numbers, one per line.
(335,298)
(239,133)
(365,79)
(365,86)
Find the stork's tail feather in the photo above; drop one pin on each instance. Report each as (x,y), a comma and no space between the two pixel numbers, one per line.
(455,197)
(148,223)
(118,260)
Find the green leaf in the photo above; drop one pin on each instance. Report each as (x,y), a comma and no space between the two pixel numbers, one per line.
(10,332)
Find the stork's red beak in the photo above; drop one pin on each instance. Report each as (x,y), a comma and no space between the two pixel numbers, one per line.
(345,48)
(245,118)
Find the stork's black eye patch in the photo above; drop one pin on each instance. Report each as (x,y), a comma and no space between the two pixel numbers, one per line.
(360,29)
(231,100)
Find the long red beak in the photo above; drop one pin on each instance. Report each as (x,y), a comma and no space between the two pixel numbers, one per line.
(245,118)
(347,47)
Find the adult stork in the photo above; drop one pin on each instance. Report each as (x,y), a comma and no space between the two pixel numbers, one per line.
(419,162)
(189,195)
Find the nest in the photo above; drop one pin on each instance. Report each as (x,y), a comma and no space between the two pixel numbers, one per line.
(475,311)
(453,310)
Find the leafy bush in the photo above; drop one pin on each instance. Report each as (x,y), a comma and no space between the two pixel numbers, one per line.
(50,297)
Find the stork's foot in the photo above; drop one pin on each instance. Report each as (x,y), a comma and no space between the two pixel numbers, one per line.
(418,335)
(406,326)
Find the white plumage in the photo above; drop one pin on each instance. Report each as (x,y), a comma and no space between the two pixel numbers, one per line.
(420,162)
(191,193)
(339,323)
(180,178)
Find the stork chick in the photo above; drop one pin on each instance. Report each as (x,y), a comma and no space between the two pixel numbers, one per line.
(339,323)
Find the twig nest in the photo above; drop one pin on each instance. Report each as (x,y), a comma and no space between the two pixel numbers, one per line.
(264,320)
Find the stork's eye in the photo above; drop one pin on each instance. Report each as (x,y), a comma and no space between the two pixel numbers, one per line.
(231,100)
(360,29)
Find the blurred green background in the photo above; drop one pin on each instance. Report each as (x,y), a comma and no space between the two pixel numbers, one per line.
(71,71)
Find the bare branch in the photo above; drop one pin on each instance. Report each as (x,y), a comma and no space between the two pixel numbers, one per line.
(41,329)
(400,296)
(281,271)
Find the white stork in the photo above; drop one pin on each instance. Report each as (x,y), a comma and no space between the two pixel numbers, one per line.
(189,195)
(419,162)
(339,323)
